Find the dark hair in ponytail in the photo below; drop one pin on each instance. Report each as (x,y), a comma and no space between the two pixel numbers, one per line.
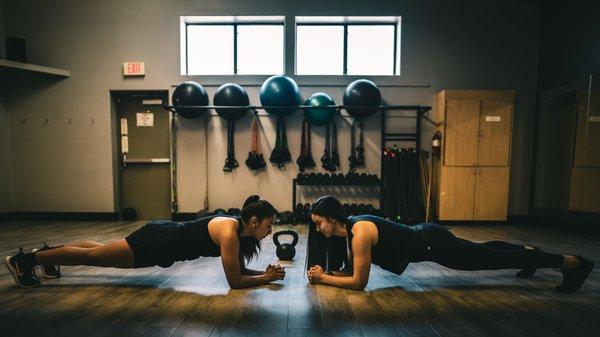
(329,253)
(261,209)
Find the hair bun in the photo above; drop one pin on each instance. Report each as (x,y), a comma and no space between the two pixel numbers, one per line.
(251,199)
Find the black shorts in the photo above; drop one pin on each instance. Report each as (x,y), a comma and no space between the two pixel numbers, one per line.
(157,243)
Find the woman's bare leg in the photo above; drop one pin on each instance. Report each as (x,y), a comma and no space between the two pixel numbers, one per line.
(114,254)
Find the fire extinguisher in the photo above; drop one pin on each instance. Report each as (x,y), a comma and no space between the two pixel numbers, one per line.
(436,143)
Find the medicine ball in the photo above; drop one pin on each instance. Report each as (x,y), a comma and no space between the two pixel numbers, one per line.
(190,94)
(362,93)
(231,94)
(320,116)
(281,91)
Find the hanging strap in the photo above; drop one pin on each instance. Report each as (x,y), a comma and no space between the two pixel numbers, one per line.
(360,149)
(352,158)
(305,159)
(325,159)
(255,149)
(335,155)
(255,158)
(230,161)
(357,154)
(330,157)
(301,161)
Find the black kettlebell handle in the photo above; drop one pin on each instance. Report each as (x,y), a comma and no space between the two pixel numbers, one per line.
(285,232)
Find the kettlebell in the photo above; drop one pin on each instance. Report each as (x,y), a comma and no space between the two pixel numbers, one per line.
(285,251)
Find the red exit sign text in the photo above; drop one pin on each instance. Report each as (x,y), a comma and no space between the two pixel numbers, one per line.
(134,69)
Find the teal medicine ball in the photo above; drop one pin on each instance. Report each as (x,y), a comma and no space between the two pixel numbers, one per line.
(319,116)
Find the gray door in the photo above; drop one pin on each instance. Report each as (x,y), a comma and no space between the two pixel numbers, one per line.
(145,150)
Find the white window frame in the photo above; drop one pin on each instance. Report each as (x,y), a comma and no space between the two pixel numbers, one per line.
(346,21)
(234,21)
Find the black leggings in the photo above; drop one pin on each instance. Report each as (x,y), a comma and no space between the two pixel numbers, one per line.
(437,244)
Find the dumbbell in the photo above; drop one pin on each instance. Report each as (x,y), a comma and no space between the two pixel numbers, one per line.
(346,207)
(234,211)
(362,209)
(299,213)
(219,211)
(319,178)
(306,211)
(369,209)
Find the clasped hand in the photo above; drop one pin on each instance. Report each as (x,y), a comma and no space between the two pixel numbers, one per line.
(315,274)
(275,272)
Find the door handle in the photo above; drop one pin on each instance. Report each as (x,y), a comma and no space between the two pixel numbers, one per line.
(147,161)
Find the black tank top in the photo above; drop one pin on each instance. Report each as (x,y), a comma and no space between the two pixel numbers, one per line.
(395,241)
(196,240)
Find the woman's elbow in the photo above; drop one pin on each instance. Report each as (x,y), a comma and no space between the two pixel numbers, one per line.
(235,285)
(360,285)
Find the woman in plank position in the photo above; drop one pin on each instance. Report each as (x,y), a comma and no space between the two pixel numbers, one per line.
(161,243)
(357,241)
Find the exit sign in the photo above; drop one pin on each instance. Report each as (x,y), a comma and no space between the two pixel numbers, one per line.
(134,69)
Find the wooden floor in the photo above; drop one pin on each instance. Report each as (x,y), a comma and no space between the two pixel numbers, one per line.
(193,299)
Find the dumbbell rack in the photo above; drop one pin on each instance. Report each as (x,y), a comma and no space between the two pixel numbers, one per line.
(295,185)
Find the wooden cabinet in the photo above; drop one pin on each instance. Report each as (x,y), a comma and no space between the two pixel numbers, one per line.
(495,123)
(457,193)
(476,142)
(491,193)
(473,193)
(462,128)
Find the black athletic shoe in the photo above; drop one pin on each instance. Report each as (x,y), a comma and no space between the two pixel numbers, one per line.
(23,274)
(48,271)
(529,272)
(573,278)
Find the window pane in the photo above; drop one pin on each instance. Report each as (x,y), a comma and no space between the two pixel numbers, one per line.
(370,50)
(210,50)
(260,49)
(319,50)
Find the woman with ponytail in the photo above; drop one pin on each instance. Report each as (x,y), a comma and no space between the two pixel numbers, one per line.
(161,243)
(341,250)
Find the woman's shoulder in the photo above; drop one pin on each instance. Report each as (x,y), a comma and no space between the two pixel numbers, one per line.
(225,222)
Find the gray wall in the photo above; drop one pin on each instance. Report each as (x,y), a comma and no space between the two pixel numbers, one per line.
(569,42)
(2,55)
(6,176)
(60,167)
(6,190)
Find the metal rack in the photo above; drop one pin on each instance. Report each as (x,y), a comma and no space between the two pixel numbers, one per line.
(385,136)
(295,188)
(420,112)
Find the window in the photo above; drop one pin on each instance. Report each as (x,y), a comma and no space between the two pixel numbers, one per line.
(216,45)
(347,45)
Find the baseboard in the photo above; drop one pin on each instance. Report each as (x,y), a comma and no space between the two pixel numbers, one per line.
(579,224)
(6,216)
(470,222)
(59,216)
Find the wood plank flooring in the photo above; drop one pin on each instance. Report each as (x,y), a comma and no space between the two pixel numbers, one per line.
(193,299)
